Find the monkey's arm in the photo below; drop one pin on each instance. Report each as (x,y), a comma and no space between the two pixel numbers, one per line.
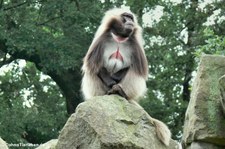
(109,80)
(118,76)
(116,89)
(106,78)
(93,61)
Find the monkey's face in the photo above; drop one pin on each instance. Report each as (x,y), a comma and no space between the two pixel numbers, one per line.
(123,27)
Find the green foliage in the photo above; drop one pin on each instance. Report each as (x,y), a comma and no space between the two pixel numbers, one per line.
(55,35)
(214,44)
(171,44)
(32,108)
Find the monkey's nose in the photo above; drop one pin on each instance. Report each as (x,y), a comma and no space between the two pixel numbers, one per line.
(127,31)
(128,28)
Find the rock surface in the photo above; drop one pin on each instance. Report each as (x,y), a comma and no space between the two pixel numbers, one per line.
(204,120)
(203,145)
(48,145)
(3,144)
(109,122)
(222,90)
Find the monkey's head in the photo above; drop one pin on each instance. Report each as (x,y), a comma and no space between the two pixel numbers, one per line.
(120,22)
(122,26)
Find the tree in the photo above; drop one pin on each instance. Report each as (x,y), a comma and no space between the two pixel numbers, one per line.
(173,42)
(215,44)
(52,35)
(55,35)
(32,108)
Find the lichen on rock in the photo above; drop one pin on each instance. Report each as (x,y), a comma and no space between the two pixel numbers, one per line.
(109,122)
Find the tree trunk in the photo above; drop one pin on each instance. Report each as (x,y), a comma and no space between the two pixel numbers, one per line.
(66,80)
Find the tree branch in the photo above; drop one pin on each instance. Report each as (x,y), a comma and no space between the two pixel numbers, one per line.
(77,4)
(52,19)
(6,61)
(15,6)
(66,80)
(181,41)
(20,4)
(1,4)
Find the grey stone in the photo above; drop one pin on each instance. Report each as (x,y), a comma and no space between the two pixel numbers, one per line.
(204,120)
(109,122)
(203,145)
(3,144)
(48,145)
(222,91)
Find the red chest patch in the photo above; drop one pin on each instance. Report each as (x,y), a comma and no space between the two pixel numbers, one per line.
(117,55)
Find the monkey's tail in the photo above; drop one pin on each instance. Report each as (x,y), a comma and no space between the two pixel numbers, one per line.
(162,131)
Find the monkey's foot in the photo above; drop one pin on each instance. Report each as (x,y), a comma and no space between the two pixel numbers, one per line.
(117,89)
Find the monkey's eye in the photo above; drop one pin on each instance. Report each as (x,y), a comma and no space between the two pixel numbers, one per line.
(128,15)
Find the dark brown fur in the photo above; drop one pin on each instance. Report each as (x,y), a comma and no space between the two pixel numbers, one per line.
(95,55)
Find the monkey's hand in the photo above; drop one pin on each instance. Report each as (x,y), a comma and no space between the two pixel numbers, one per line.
(117,89)
(106,78)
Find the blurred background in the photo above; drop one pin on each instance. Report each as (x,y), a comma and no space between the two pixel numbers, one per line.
(42,43)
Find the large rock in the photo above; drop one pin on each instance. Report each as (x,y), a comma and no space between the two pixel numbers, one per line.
(222,90)
(204,121)
(109,122)
(48,145)
(3,144)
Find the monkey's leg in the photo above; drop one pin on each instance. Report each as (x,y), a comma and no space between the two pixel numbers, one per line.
(133,85)
(162,131)
(92,86)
